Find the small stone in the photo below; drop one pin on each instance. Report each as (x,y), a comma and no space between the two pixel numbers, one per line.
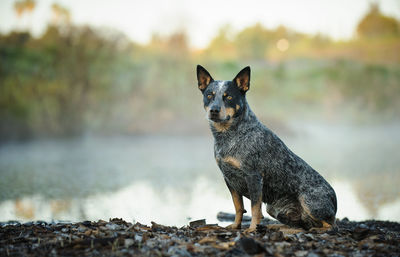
(138,238)
(87,223)
(290,237)
(197,223)
(237,238)
(175,251)
(360,233)
(13,223)
(128,242)
(309,236)
(101,222)
(312,255)
(250,246)
(301,253)
(81,229)
(112,226)
(362,225)
(151,243)
(277,236)
(103,228)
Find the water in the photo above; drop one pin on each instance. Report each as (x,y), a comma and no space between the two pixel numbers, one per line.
(173,179)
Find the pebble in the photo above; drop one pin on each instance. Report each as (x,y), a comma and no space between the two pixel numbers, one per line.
(151,243)
(138,238)
(87,223)
(107,238)
(312,255)
(309,236)
(301,253)
(276,236)
(197,223)
(82,228)
(113,226)
(251,246)
(12,222)
(128,242)
(176,252)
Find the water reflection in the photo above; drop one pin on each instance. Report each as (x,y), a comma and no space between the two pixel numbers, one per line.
(173,179)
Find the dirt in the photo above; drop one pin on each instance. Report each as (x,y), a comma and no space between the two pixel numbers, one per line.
(117,237)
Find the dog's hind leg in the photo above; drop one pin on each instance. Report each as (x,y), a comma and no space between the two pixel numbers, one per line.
(286,211)
(317,213)
(286,229)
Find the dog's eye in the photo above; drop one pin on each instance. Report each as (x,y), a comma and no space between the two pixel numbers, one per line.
(209,96)
(229,97)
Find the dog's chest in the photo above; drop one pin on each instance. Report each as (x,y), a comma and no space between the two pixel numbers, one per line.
(232,165)
(230,158)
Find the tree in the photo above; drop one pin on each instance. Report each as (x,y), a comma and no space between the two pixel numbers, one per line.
(222,47)
(375,24)
(61,15)
(24,6)
(252,42)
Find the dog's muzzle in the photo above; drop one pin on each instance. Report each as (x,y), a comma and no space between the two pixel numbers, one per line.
(215,115)
(216,118)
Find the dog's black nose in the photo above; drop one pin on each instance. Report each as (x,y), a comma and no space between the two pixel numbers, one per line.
(214,110)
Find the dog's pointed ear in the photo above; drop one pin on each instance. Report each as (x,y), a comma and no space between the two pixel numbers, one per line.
(242,79)
(203,78)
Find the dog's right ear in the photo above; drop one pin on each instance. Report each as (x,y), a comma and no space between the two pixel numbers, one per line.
(203,78)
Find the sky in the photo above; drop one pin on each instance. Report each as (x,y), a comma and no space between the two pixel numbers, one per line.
(139,20)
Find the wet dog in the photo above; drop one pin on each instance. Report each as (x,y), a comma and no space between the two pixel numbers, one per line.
(256,164)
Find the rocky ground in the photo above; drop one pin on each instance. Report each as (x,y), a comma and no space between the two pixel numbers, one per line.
(119,238)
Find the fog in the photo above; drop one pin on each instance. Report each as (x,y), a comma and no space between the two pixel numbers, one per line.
(172,179)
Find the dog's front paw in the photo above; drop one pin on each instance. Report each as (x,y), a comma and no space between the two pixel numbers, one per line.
(234,226)
(251,229)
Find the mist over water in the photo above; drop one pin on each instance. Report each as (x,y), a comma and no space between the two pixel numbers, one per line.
(172,179)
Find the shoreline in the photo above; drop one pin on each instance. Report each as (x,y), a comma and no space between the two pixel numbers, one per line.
(117,237)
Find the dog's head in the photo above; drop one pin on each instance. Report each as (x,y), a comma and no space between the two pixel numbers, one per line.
(223,100)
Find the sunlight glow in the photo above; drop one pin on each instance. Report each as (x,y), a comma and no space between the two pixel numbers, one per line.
(140,20)
(282,44)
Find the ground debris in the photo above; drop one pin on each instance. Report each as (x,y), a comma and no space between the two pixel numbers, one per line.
(197,223)
(120,238)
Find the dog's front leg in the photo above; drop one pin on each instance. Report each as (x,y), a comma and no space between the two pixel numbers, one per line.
(239,208)
(255,185)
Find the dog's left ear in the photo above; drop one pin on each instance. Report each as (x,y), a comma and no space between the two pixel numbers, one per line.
(242,79)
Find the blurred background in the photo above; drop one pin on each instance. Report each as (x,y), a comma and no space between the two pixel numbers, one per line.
(100,115)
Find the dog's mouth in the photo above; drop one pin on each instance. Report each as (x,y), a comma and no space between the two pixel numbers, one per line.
(217,119)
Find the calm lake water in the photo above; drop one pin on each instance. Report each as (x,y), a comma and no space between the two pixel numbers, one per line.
(172,179)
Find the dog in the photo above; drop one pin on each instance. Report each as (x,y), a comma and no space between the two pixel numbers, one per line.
(256,164)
